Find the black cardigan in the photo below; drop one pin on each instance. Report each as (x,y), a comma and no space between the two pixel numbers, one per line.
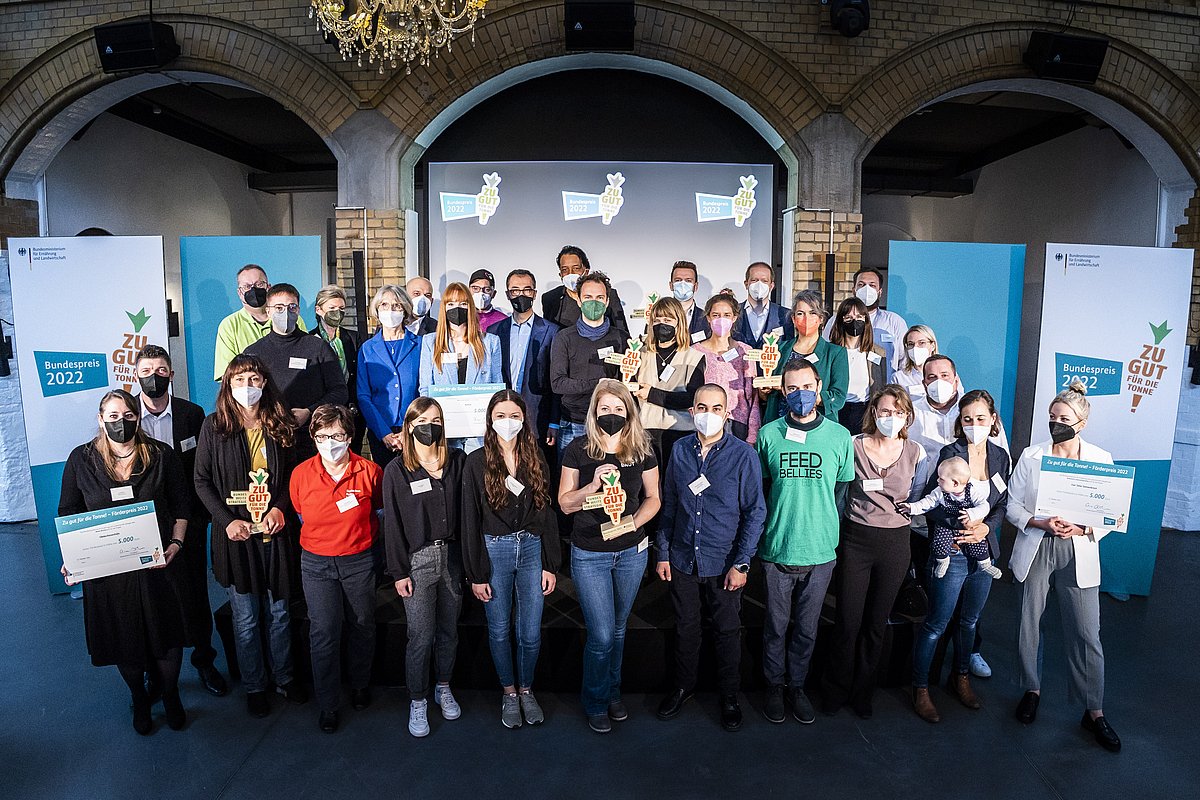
(349,338)
(412,521)
(999,464)
(517,514)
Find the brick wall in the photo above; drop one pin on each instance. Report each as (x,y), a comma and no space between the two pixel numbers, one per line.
(385,250)
(1188,235)
(17,218)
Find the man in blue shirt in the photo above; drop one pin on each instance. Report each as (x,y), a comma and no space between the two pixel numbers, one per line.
(525,340)
(712,517)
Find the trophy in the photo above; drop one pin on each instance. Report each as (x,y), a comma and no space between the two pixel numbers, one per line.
(256,499)
(640,313)
(768,358)
(612,501)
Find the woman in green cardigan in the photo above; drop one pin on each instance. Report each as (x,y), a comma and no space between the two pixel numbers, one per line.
(808,315)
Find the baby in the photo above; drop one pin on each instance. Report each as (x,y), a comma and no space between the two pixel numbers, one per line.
(954,495)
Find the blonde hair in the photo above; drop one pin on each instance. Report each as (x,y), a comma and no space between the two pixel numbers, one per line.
(457,293)
(1074,397)
(673,309)
(955,467)
(924,330)
(633,443)
(329,292)
(401,297)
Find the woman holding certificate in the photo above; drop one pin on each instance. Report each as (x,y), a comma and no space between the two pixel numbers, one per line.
(255,554)
(1051,549)
(459,352)
(610,484)
(133,620)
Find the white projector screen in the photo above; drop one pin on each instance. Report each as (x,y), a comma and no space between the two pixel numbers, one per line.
(544,205)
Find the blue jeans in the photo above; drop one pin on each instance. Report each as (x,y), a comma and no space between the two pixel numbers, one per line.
(962,578)
(248,612)
(568,431)
(607,584)
(516,574)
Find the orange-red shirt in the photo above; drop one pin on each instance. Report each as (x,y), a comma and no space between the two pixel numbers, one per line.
(338,517)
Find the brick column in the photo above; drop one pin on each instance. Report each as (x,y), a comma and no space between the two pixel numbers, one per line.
(17,218)
(1188,235)
(384,249)
(811,243)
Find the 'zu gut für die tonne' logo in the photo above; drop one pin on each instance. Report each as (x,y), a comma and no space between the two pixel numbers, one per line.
(1144,372)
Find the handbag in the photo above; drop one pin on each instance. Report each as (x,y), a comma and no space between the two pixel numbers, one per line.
(912,604)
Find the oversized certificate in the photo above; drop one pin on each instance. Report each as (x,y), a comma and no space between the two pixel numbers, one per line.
(464,408)
(110,541)
(1087,493)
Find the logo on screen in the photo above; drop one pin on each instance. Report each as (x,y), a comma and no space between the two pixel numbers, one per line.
(481,206)
(737,207)
(606,205)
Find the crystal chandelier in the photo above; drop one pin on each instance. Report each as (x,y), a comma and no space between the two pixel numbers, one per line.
(391,31)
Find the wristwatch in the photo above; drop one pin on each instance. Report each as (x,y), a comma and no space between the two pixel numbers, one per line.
(742,568)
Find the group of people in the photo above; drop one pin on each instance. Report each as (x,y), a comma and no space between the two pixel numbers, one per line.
(861,453)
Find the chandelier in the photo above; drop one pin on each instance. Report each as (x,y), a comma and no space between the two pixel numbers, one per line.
(391,31)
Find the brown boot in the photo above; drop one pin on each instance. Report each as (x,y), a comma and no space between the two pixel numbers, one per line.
(924,706)
(960,687)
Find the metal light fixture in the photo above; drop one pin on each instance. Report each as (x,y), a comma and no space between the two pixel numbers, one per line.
(388,32)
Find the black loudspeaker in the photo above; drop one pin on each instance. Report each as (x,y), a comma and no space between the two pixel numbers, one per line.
(850,17)
(1060,57)
(125,46)
(599,25)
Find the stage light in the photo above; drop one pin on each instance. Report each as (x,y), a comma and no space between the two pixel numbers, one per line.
(850,17)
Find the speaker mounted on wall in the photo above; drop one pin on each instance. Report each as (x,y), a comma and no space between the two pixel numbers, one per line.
(137,45)
(599,25)
(1062,57)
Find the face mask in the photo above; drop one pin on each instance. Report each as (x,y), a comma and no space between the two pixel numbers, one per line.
(802,402)
(683,290)
(940,391)
(334,317)
(1059,432)
(664,333)
(121,430)
(428,433)
(610,423)
(255,297)
(247,396)
(507,428)
(808,327)
(889,426)
(521,303)
(868,294)
(154,386)
(391,319)
(760,290)
(722,326)
(708,423)
(456,315)
(333,451)
(571,281)
(976,433)
(855,327)
(421,305)
(917,355)
(284,321)
(483,300)
(593,310)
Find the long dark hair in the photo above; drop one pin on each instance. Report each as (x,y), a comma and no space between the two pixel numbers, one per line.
(143,453)
(840,334)
(529,460)
(277,422)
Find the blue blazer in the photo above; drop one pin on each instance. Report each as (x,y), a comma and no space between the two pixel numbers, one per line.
(487,372)
(542,404)
(777,317)
(385,389)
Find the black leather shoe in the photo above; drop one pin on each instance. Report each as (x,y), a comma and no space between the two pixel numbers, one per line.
(328,722)
(617,711)
(143,723)
(257,704)
(212,681)
(731,713)
(600,723)
(293,692)
(1027,708)
(1106,737)
(360,698)
(153,690)
(672,704)
(802,708)
(773,709)
(176,716)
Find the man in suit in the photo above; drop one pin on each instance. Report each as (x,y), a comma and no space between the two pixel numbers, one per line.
(560,305)
(760,315)
(525,348)
(176,422)
(420,291)
(684,281)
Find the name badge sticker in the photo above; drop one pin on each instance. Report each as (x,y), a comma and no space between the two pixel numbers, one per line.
(812,358)
(699,485)
(188,444)
(667,372)
(778,331)
(420,487)
(999,483)
(643,544)
(730,355)
(297,363)
(873,485)
(874,357)
(796,435)
(122,493)
(604,352)
(514,485)
(449,359)
(346,503)
(699,336)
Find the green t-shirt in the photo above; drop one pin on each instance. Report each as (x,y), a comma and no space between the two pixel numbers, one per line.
(237,332)
(800,478)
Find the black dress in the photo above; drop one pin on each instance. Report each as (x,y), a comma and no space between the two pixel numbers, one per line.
(136,617)
(222,467)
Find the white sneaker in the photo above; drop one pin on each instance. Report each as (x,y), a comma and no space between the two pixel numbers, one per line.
(979,667)
(449,706)
(418,718)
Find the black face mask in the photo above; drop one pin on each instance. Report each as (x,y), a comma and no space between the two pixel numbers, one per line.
(610,423)
(855,327)
(1061,432)
(664,333)
(521,303)
(456,316)
(255,297)
(121,430)
(428,433)
(154,386)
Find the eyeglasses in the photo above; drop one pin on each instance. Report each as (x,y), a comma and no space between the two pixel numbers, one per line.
(530,292)
(245,287)
(279,308)
(390,307)
(322,438)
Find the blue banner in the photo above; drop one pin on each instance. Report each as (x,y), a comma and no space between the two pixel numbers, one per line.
(63,373)
(1101,376)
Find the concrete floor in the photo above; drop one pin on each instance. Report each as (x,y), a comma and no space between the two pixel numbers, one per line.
(65,726)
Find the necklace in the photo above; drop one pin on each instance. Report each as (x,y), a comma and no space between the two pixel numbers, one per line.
(123,457)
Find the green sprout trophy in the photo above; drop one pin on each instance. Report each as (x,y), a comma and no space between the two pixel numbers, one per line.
(256,499)
(629,363)
(768,358)
(612,501)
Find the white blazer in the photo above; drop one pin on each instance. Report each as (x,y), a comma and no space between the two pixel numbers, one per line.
(1022,499)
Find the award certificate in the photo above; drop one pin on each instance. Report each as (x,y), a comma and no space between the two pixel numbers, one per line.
(464,408)
(110,541)
(1085,492)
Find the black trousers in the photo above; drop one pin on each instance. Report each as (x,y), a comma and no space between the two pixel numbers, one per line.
(688,593)
(197,613)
